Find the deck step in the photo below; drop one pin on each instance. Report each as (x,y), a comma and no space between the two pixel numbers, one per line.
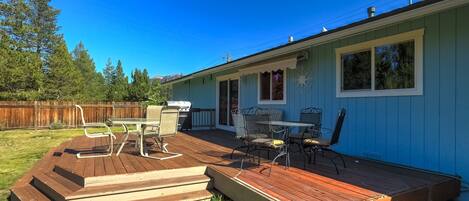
(202,195)
(143,189)
(54,185)
(129,177)
(27,193)
(70,175)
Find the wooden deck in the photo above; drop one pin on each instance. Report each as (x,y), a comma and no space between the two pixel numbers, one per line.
(361,180)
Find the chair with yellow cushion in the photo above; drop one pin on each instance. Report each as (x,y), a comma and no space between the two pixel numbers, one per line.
(322,144)
(262,138)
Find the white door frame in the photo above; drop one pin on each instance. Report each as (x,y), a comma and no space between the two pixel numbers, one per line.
(234,76)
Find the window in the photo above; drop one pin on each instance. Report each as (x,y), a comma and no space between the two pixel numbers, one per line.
(356,68)
(272,87)
(390,66)
(395,66)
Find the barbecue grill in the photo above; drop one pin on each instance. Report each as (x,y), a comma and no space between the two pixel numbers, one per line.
(185,116)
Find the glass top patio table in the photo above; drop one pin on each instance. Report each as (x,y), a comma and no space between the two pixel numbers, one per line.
(134,121)
(286,123)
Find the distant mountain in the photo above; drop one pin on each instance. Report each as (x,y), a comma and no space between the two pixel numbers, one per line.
(166,77)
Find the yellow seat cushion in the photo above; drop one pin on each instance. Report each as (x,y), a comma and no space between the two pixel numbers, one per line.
(316,141)
(273,143)
(255,136)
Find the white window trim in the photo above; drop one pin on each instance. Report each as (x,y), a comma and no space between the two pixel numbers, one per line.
(416,35)
(272,102)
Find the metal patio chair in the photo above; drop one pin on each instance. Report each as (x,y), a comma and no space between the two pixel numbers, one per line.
(168,127)
(311,115)
(323,145)
(262,138)
(107,134)
(241,128)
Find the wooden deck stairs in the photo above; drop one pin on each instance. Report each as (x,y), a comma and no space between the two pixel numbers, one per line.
(62,184)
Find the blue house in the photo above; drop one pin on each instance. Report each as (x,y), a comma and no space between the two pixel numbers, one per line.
(401,76)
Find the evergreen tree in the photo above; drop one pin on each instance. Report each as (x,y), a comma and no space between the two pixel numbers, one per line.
(116,81)
(158,94)
(140,85)
(108,74)
(28,31)
(64,80)
(95,89)
(15,22)
(21,77)
(120,83)
(44,26)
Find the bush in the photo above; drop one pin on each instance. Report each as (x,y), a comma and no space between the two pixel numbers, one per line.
(56,125)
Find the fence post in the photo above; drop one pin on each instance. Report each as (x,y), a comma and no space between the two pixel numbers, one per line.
(35,115)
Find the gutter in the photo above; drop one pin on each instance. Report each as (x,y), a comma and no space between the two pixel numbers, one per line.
(416,10)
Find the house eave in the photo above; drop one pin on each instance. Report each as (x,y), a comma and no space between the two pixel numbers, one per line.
(406,13)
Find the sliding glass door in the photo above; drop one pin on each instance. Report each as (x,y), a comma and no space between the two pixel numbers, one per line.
(228,100)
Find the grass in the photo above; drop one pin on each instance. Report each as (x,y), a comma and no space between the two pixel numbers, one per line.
(20,149)
(217,196)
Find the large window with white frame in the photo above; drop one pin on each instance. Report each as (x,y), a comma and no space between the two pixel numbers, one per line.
(272,87)
(390,66)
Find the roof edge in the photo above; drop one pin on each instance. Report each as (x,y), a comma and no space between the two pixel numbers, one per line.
(421,8)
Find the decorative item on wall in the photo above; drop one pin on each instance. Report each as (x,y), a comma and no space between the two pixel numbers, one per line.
(303,80)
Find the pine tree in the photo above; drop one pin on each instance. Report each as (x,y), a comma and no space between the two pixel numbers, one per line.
(21,77)
(116,81)
(29,30)
(158,94)
(120,83)
(64,81)
(44,26)
(15,22)
(95,89)
(140,85)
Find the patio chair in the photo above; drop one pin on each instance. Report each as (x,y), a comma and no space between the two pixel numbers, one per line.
(153,113)
(323,145)
(242,129)
(167,128)
(107,134)
(311,115)
(261,138)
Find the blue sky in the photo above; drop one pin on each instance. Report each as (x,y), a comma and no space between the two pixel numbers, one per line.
(169,37)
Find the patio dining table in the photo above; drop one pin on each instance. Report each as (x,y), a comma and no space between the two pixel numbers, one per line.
(141,124)
(286,126)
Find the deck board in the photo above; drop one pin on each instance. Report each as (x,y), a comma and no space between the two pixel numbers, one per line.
(361,180)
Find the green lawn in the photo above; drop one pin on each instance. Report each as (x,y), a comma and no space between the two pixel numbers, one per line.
(20,149)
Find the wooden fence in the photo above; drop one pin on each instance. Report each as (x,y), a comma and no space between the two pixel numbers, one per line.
(41,114)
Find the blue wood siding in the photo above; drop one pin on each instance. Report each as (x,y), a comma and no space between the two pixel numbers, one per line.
(429,131)
(200,91)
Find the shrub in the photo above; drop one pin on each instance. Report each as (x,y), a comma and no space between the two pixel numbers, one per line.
(56,125)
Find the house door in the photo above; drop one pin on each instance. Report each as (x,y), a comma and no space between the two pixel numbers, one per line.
(228,100)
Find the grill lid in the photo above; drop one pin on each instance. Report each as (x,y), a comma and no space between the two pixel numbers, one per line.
(184,106)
